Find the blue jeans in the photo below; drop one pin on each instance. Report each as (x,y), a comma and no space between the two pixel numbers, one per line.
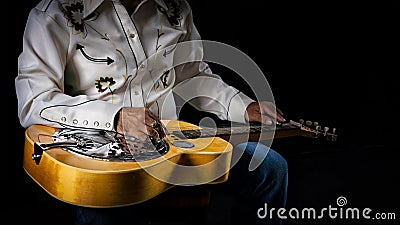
(249,191)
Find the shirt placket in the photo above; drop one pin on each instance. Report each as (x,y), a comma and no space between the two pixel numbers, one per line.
(135,91)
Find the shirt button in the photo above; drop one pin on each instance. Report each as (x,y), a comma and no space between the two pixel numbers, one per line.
(132,35)
(136,93)
(142,66)
(96,123)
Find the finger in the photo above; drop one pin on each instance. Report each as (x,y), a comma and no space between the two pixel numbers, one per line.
(153,133)
(266,120)
(150,115)
(156,134)
(152,121)
(147,118)
(280,117)
(161,132)
(151,130)
(273,112)
(268,109)
(279,111)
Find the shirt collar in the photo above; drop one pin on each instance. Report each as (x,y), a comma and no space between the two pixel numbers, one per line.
(91,5)
(162,4)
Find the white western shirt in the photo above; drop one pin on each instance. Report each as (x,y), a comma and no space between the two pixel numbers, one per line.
(83,60)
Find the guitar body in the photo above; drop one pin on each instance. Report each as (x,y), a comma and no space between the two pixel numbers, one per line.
(90,182)
(194,156)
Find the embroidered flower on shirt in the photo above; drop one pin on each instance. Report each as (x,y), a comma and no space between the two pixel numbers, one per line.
(163,81)
(74,14)
(105,83)
(173,12)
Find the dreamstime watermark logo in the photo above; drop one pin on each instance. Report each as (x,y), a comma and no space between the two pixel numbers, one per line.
(330,212)
(341,201)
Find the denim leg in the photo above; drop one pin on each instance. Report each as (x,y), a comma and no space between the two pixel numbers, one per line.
(106,216)
(252,189)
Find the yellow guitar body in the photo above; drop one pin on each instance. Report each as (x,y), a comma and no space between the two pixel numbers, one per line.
(90,182)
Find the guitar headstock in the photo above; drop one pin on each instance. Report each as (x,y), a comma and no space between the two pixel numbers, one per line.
(315,130)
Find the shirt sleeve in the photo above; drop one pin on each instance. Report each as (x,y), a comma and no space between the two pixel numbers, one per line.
(198,85)
(40,81)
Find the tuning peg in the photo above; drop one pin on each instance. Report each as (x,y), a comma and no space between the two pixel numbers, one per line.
(318,127)
(315,124)
(326,129)
(301,121)
(308,123)
(333,137)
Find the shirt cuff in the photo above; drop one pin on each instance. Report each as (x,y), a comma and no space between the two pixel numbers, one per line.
(91,115)
(238,106)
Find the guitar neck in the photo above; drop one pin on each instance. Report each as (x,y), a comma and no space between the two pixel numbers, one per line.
(256,131)
(283,130)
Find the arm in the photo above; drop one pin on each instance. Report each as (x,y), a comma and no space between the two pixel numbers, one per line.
(195,82)
(42,96)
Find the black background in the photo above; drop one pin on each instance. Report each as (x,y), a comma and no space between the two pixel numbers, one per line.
(335,62)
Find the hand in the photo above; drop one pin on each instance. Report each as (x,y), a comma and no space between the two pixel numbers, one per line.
(264,112)
(138,122)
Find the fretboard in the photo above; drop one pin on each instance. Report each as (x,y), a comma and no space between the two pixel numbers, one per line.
(234,130)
